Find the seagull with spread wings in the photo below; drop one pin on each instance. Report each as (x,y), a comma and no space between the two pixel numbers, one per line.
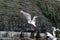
(28,17)
(54,29)
(51,36)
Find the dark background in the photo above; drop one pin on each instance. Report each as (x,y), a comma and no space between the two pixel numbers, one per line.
(11,19)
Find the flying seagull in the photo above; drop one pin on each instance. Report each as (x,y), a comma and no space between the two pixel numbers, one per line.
(28,17)
(51,36)
(54,29)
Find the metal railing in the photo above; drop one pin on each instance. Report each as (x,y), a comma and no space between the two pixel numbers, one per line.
(16,35)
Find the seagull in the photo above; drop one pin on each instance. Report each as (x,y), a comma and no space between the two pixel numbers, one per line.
(54,29)
(28,17)
(51,36)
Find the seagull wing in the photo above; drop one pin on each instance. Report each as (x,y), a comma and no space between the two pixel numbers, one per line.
(54,38)
(50,35)
(27,15)
(58,29)
(34,20)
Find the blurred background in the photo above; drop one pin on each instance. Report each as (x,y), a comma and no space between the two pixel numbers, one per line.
(48,12)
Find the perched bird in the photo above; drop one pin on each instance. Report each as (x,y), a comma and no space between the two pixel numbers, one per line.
(28,17)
